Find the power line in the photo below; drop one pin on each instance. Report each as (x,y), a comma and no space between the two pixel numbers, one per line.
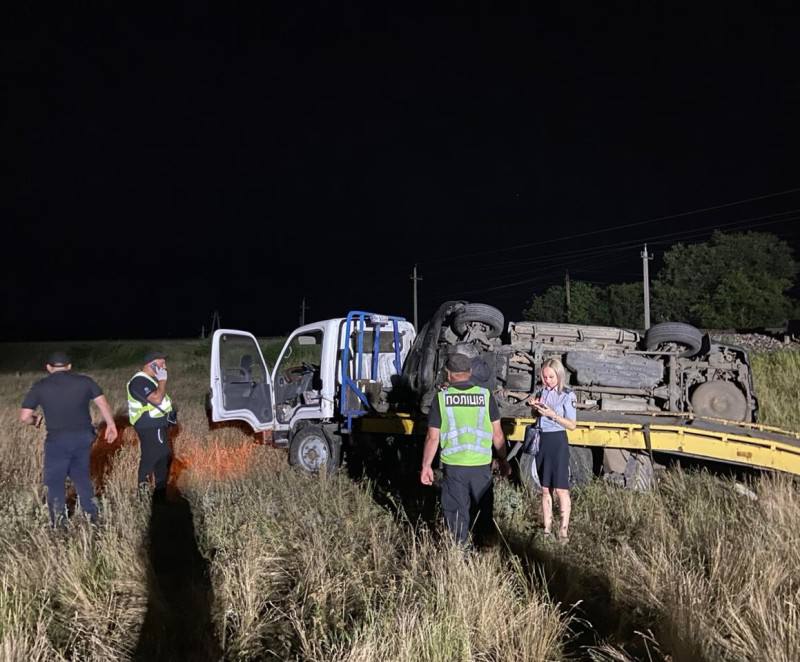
(659,219)
(593,254)
(669,237)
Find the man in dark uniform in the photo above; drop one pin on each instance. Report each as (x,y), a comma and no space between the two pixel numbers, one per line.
(64,397)
(149,411)
(465,421)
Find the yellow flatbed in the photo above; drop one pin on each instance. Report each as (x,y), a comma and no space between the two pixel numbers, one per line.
(748,444)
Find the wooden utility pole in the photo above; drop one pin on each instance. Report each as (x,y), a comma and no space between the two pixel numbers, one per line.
(646,257)
(415,278)
(566,289)
(303,309)
(215,323)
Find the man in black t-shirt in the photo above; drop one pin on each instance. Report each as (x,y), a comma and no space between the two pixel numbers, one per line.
(64,397)
(149,411)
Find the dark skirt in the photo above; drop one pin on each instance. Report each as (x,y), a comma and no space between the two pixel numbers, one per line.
(552,461)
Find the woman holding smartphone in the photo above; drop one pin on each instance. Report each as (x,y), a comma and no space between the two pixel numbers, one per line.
(555,406)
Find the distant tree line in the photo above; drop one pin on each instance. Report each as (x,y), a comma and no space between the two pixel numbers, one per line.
(734,280)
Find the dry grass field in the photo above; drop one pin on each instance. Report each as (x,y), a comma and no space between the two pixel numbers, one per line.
(251,560)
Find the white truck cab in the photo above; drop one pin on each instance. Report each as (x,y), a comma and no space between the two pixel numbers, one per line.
(327,373)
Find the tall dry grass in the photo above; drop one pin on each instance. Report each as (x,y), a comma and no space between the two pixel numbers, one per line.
(310,568)
(777,384)
(79,591)
(711,570)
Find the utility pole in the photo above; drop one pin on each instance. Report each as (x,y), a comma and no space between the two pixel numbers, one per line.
(646,257)
(566,289)
(303,309)
(415,278)
(215,323)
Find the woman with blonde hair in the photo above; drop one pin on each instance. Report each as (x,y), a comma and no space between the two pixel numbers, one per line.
(555,406)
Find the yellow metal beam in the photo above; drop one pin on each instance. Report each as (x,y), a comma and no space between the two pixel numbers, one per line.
(740,445)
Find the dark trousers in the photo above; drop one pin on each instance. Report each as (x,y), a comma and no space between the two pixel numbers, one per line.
(67,454)
(156,455)
(467,496)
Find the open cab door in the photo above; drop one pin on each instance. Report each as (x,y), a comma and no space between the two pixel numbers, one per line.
(241,389)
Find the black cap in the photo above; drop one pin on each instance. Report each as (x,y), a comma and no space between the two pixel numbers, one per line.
(459,363)
(58,359)
(153,356)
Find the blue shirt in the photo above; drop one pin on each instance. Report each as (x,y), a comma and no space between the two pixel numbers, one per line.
(562,403)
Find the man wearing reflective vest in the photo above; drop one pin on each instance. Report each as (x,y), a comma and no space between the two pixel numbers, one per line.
(148,407)
(464,424)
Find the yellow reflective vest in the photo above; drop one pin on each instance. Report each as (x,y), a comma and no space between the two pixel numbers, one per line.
(466,433)
(136,409)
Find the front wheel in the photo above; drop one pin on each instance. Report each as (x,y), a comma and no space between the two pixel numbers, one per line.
(311,450)
(479,312)
(683,338)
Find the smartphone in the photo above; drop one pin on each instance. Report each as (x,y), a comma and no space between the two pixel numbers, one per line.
(154,366)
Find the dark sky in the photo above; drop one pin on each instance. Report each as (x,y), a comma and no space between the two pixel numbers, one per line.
(160,167)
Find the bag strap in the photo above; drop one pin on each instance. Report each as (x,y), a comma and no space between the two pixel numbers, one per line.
(146,401)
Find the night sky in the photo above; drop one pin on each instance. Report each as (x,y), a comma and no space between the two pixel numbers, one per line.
(160,167)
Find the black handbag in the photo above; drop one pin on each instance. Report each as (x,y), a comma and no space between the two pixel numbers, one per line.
(530,443)
(172,414)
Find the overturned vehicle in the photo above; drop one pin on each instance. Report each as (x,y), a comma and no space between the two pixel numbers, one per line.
(673,368)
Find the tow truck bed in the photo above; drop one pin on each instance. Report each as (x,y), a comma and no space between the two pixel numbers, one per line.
(745,444)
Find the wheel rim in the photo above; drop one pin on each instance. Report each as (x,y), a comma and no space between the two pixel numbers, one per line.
(314,453)
(679,348)
(720,399)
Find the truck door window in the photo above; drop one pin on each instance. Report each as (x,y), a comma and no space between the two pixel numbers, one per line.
(297,377)
(304,351)
(243,376)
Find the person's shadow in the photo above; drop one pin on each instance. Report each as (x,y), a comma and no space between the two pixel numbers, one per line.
(178,623)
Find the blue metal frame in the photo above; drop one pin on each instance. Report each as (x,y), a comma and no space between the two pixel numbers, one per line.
(361,318)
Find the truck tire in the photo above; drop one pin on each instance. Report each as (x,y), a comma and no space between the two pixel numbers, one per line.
(312,450)
(676,333)
(479,312)
(525,461)
(719,399)
(519,381)
(581,466)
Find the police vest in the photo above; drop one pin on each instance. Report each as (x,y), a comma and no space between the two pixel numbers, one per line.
(137,409)
(466,432)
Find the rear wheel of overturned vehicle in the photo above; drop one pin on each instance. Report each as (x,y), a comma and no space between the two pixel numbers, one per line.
(312,451)
(519,381)
(677,336)
(719,399)
(581,466)
(479,312)
(526,461)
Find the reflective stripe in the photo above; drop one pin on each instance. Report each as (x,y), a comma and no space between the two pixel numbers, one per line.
(455,431)
(466,441)
(478,432)
(475,448)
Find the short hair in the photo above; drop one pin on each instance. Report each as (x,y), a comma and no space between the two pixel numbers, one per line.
(558,368)
(459,363)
